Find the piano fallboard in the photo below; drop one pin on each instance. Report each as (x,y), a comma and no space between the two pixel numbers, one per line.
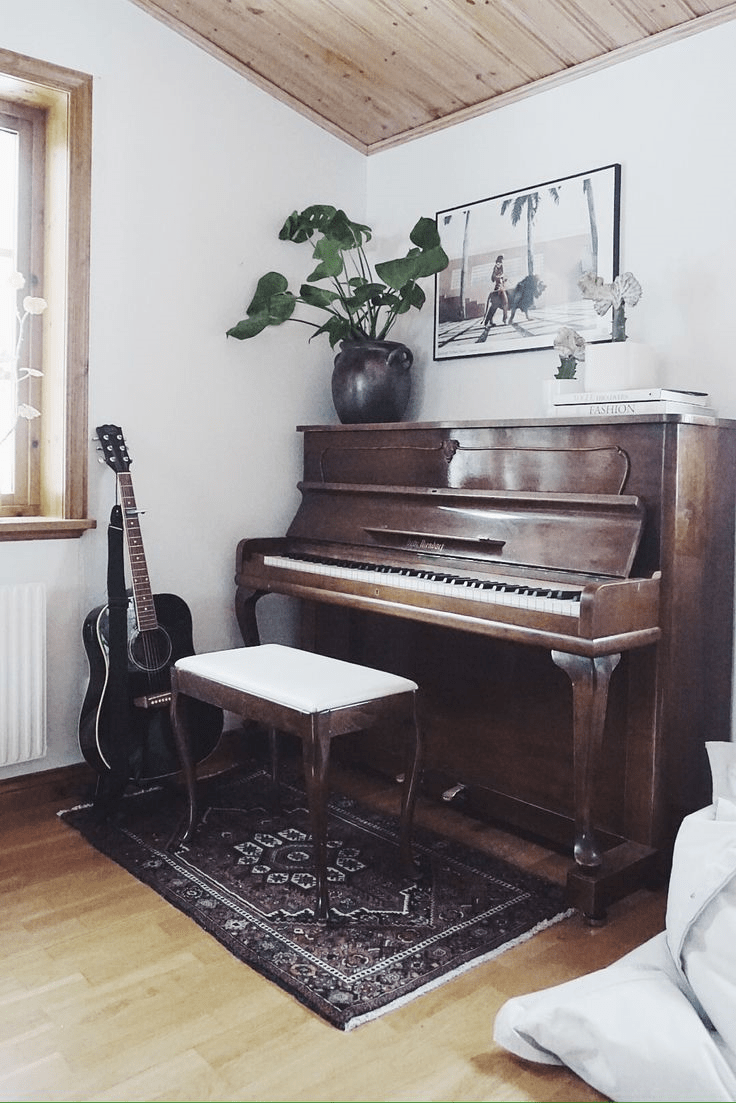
(531,529)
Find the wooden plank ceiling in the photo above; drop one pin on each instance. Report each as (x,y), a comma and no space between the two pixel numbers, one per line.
(380,72)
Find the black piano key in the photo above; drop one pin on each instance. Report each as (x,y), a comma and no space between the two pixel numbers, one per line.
(450,580)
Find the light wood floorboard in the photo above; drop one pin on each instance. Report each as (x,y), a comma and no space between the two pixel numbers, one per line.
(109,993)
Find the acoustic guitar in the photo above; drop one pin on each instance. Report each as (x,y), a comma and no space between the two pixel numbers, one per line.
(124,725)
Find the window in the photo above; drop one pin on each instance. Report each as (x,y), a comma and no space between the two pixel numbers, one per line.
(45,151)
(22,168)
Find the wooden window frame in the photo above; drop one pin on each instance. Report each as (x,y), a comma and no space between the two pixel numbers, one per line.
(66,96)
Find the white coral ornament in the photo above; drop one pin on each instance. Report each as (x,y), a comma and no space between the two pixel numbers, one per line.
(624,291)
(569,343)
(594,288)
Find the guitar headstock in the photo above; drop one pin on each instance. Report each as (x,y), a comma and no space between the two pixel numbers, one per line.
(113,447)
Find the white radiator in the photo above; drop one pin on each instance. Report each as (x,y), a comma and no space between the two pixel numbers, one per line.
(22,673)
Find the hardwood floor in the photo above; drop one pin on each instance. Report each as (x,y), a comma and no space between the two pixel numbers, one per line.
(109,993)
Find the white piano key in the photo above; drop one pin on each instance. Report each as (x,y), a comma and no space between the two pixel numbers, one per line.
(461,587)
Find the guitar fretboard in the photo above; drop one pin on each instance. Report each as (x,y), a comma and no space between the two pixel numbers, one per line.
(142,596)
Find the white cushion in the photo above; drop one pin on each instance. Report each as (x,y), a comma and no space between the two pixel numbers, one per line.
(660,1024)
(701,906)
(629,1030)
(722,760)
(298,679)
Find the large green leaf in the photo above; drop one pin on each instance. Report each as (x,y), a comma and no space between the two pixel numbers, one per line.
(248,327)
(299,227)
(279,309)
(329,254)
(334,224)
(337,329)
(364,292)
(425,234)
(348,234)
(271,305)
(396,273)
(411,296)
(273,283)
(317,296)
(426,260)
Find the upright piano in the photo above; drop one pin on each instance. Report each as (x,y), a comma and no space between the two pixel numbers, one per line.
(561,591)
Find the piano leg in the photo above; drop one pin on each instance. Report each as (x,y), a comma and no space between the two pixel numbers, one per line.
(590,680)
(245,612)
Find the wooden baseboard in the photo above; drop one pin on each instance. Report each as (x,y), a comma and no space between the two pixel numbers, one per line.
(75,784)
(65,784)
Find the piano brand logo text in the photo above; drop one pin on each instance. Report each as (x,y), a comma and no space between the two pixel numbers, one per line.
(425,545)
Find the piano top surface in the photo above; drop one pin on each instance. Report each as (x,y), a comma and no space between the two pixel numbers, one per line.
(510,423)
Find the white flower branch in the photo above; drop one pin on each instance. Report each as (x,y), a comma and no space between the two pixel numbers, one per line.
(9,368)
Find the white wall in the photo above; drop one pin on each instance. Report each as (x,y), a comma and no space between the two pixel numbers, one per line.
(194,170)
(664,117)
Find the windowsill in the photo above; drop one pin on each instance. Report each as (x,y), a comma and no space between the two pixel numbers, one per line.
(44,528)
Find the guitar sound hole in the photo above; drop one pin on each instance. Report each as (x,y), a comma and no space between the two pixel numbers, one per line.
(150,651)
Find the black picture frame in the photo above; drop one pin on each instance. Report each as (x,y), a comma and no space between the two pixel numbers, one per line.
(552,232)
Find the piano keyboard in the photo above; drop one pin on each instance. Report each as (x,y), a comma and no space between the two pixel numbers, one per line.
(521,595)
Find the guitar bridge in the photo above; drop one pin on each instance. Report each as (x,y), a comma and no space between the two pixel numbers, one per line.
(153,701)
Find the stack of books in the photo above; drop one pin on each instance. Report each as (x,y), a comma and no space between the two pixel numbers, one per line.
(646,400)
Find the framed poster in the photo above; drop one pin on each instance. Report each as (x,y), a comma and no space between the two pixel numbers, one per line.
(515,262)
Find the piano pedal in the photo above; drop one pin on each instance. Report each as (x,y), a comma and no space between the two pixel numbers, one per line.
(454,791)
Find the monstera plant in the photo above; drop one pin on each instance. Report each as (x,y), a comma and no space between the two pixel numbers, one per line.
(361,303)
(371,378)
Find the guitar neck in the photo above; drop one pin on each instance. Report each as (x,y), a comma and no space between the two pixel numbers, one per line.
(145,609)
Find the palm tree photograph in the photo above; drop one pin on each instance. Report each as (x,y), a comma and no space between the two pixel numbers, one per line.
(516,261)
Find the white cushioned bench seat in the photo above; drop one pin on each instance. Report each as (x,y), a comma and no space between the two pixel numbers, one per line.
(299,680)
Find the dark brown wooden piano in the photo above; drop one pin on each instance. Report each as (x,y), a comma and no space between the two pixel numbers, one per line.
(562,591)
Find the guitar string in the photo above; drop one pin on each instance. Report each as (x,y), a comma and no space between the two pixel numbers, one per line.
(153,652)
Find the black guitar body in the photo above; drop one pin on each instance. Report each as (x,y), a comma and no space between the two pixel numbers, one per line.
(133,709)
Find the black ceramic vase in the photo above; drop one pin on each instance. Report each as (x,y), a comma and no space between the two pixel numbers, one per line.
(371,381)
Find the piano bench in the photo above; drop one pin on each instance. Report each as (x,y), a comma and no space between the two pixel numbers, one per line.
(308,695)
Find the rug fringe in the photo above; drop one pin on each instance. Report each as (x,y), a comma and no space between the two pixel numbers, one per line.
(359,1020)
(75,808)
(90,804)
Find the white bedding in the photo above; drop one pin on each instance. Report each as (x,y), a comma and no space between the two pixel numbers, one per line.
(660,1024)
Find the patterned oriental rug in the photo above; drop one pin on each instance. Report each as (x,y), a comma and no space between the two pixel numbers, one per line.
(246,878)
